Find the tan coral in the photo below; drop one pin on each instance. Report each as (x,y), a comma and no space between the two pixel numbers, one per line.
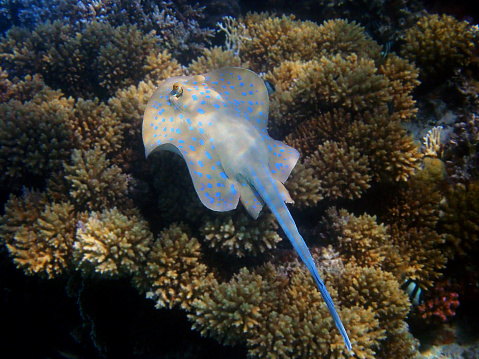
(94,61)
(94,125)
(392,154)
(360,238)
(339,36)
(161,66)
(45,246)
(173,274)
(21,211)
(213,59)
(420,250)
(330,82)
(112,244)
(277,39)
(35,138)
(239,235)
(460,218)
(343,172)
(304,186)
(439,45)
(279,313)
(403,79)
(326,126)
(230,311)
(94,183)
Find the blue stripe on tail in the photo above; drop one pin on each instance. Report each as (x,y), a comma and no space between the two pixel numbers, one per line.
(275,202)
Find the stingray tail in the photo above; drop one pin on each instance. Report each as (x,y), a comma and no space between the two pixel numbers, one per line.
(265,185)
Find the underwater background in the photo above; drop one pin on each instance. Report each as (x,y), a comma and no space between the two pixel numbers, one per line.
(105,254)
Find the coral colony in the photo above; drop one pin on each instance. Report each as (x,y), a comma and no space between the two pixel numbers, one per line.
(86,213)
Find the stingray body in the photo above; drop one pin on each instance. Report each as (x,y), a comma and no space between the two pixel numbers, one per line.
(218,123)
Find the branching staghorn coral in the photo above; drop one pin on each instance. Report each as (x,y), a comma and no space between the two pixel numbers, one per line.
(411,252)
(439,45)
(95,61)
(93,182)
(372,147)
(275,40)
(392,154)
(459,218)
(345,171)
(94,125)
(360,238)
(35,138)
(328,83)
(277,312)
(176,22)
(238,235)
(45,246)
(20,211)
(22,89)
(419,248)
(304,186)
(416,204)
(215,58)
(230,311)
(111,244)
(379,291)
(403,79)
(173,274)
(161,66)
(313,334)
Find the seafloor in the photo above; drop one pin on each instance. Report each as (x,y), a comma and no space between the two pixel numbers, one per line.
(107,254)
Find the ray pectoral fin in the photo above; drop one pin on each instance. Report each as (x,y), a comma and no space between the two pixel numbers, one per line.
(266,186)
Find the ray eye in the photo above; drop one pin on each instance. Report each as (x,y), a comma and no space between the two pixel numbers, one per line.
(177,90)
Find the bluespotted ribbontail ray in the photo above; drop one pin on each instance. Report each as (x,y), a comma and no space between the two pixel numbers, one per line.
(218,123)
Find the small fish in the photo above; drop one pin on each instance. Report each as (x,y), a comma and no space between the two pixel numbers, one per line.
(218,123)
(413,290)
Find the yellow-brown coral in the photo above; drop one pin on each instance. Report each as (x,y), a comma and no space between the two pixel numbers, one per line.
(94,125)
(460,218)
(279,313)
(304,186)
(342,170)
(20,211)
(111,244)
(228,311)
(35,138)
(213,59)
(45,247)
(439,45)
(360,238)
(95,61)
(173,274)
(240,236)
(93,183)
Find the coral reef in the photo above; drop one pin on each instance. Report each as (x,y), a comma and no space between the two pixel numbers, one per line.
(459,219)
(20,211)
(83,206)
(176,23)
(439,45)
(346,172)
(110,244)
(35,138)
(215,58)
(116,56)
(173,273)
(277,312)
(45,246)
(93,183)
(238,235)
